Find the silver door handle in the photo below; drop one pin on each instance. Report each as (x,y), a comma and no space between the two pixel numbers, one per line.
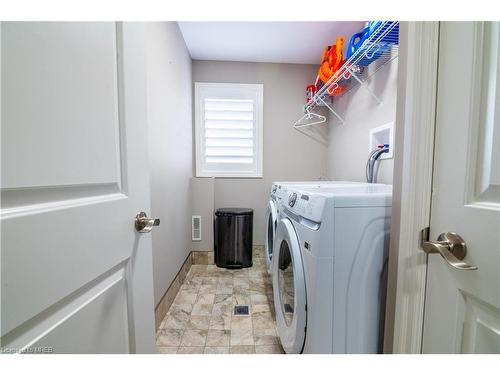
(144,224)
(450,246)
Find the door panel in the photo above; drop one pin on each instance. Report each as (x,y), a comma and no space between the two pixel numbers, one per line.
(71,251)
(61,103)
(483,189)
(67,322)
(462,308)
(74,270)
(481,326)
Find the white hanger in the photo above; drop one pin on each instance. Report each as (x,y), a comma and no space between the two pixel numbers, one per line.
(319,119)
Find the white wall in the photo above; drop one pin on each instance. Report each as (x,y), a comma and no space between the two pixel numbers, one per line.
(288,154)
(202,203)
(348,143)
(170,149)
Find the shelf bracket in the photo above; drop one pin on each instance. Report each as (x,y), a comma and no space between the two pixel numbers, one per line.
(362,83)
(331,109)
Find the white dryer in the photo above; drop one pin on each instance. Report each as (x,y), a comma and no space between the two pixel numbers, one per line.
(278,191)
(330,252)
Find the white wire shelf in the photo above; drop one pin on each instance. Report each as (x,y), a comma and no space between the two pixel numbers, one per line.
(377,51)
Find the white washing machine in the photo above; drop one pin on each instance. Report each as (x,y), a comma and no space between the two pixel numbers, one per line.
(330,253)
(278,191)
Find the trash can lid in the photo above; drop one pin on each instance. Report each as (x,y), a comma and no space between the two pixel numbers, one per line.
(233,211)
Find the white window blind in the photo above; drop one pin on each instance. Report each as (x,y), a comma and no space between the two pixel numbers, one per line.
(229,134)
(228,130)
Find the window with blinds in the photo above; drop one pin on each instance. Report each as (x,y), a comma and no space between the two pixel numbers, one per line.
(228,127)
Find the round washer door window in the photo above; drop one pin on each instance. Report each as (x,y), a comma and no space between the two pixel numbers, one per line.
(286,284)
(289,288)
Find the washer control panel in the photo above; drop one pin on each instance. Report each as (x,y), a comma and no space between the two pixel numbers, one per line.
(306,205)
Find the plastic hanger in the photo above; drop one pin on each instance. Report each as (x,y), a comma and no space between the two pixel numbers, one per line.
(317,119)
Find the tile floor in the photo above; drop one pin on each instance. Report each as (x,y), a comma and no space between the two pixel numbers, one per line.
(202,320)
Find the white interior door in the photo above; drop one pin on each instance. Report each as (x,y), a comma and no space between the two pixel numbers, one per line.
(75,275)
(462,307)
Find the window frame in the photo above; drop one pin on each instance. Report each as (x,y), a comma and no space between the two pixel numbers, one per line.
(200,96)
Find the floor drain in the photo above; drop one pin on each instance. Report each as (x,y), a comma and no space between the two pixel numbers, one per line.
(240,310)
(288,308)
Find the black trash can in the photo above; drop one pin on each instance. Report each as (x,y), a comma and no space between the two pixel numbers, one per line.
(233,232)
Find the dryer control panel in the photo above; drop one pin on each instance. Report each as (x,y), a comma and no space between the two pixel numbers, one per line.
(279,192)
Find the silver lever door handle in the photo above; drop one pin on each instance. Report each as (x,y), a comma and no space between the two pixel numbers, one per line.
(144,224)
(450,246)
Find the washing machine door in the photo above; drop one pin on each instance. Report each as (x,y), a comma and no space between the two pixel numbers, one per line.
(271,223)
(289,288)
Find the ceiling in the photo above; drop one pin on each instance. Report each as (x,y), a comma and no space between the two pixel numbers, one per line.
(276,42)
